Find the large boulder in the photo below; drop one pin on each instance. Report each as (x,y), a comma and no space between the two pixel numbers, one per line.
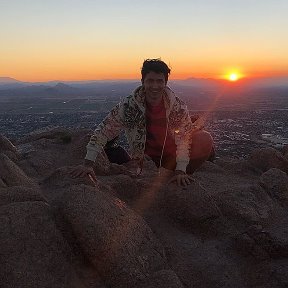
(273,238)
(42,156)
(19,194)
(248,247)
(275,182)
(6,147)
(163,278)
(58,134)
(205,263)
(77,150)
(285,151)
(53,149)
(2,184)
(41,161)
(6,144)
(267,158)
(277,273)
(241,167)
(212,167)
(32,249)
(125,187)
(60,180)
(12,175)
(192,206)
(80,139)
(246,205)
(114,238)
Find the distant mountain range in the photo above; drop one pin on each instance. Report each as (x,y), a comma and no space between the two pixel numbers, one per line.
(10,88)
(7,80)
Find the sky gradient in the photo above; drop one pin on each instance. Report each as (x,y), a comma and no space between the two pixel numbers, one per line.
(45,40)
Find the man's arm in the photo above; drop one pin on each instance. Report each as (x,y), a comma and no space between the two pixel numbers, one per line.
(182,136)
(107,130)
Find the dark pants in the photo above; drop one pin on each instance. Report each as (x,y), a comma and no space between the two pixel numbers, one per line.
(117,155)
(120,156)
(170,163)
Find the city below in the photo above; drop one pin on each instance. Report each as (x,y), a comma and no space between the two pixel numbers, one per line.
(239,119)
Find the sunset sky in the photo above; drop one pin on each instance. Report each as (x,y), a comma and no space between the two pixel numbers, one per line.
(45,40)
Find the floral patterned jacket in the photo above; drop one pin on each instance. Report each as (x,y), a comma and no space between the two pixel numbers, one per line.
(129,115)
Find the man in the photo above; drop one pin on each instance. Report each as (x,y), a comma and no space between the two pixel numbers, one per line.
(157,124)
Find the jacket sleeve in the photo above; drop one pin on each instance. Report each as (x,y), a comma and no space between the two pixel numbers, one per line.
(183,138)
(184,129)
(107,130)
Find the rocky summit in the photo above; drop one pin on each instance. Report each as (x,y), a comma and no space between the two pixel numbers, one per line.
(229,228)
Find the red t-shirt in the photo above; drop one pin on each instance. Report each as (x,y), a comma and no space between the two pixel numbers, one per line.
(156,123)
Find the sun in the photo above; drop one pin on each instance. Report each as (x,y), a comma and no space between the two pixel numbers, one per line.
(233,77)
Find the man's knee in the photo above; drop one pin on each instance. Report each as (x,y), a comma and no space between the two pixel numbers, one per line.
(201,146)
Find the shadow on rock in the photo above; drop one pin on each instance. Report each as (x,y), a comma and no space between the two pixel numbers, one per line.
(115,239)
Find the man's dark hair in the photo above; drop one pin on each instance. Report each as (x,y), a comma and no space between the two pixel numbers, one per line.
(155,65)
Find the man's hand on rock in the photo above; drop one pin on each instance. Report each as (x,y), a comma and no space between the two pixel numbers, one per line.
(181,178)
(84,170)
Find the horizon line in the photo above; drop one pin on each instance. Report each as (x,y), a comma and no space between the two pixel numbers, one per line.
(139,79)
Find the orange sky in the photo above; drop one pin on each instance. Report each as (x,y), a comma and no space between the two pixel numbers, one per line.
(70,40)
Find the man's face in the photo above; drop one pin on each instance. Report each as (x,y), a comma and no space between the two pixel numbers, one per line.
(154,84)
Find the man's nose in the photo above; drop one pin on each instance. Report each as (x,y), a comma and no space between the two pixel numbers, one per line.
(154,84)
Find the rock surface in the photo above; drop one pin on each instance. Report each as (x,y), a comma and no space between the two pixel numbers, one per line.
(275,182)
(12,175)
(266,158)
(115,239)
(30,245)
(227,229)
(6,147)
